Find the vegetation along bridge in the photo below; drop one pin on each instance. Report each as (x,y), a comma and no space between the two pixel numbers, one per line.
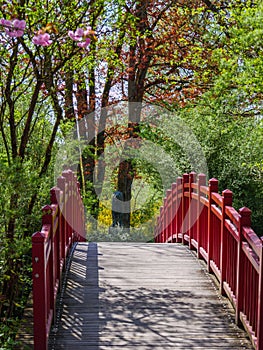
(203,291)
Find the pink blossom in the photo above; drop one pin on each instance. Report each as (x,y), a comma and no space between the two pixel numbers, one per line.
(77,35)
(19,24)
(71,34)
(85,43)
(5,22)
(42,39)
(14,28)
(80,36)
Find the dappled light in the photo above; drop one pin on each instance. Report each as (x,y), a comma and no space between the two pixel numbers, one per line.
(141,295)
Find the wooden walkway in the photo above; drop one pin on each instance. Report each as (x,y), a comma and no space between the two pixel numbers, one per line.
(142,296)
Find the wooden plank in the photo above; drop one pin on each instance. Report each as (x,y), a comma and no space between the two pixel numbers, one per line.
(145,296)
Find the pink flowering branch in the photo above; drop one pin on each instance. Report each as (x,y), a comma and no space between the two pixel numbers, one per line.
(81,36)
(42,39)
(15,28)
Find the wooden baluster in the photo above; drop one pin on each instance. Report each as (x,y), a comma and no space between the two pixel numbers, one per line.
(162,224)
(173,211)
(201,182)
(227,198)
(39,290)
(55,193)
(168,215)
(164,219)
(191,210)
(156,231)
(47,219)
(61,181)
(78,212)
(245,220)
(179,208)
(42,286)
(213,187)
(260,301)
(159,229)
(185,206)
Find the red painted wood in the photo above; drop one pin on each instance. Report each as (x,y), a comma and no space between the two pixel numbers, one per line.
(185,208)
(173,212)
(206,220)
(201,215)
(63,222)
(192,212)
(259,311)
(213,187)
(179,208)
(227,198)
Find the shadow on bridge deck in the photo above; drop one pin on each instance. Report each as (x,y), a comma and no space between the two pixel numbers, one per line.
(144,296)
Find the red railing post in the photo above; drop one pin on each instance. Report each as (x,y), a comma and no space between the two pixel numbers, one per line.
(39,291)
(55,194)
(158,230)
(260,301)
(244,220)
(201,182)
(61,181)
(161,225)
(173,211)
(47,219)
(192,209)
(168,214)
(164,219)
(213,187)
(42,283)
(55,199)
(179,208)
(185,206)
(227,198)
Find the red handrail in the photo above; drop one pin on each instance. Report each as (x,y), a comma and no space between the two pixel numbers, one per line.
(63,223)
(197,215)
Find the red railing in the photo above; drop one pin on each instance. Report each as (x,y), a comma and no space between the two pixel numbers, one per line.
(63,223)
(197,215)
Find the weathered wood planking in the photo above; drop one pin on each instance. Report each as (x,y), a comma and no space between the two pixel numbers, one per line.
(144,296)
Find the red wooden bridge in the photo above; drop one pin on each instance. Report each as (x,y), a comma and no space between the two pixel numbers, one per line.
(204,291)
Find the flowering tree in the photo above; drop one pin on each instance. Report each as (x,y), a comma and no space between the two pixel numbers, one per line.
(37,50)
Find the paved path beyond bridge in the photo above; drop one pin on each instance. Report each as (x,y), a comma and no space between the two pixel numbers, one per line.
(142,296)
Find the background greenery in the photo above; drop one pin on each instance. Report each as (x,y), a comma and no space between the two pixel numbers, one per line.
(201,61)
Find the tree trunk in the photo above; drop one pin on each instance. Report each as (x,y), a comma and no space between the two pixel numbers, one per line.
(140,54)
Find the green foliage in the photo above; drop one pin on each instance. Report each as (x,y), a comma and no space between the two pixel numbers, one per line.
(227,119)
(219,52)
(8,330)
(233,150)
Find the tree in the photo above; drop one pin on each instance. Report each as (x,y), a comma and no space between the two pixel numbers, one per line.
(36,53)
(152,58)
(228,118)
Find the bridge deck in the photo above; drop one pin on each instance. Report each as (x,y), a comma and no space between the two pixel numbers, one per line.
(144,296)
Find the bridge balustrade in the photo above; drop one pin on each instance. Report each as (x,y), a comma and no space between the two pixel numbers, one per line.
(196,214)
(63,223)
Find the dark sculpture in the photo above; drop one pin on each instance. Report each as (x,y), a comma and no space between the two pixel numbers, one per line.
(117,200)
